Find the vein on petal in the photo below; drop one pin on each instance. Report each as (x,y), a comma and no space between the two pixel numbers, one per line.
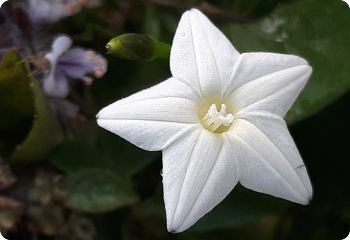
(277,148)
(195,55)
(183,181)
(156,98)
(271,94)
(206,180)
(216,70)
(233,91)
(278,174)
(146,120)
(234,155)
(233,74)
(245,115)
(199,95)
(191,127)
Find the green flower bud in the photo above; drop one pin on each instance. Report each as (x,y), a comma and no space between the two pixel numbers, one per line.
(135,46)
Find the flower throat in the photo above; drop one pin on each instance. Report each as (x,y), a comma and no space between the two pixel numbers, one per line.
(217,121)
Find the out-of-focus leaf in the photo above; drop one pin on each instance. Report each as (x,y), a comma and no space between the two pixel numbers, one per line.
(97,190)
(109,225)
(107,151)
(128,159)
(44,135)
(314,29)
(73,156)
(127,77)
(14,81)
(16,102)
(151,23)
(242,206)
(25,100)
(27,122)
(244,7)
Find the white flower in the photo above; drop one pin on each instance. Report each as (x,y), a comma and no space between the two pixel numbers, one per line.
(218,120)
(66,63)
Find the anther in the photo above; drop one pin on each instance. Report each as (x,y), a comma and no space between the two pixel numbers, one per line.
(214,119)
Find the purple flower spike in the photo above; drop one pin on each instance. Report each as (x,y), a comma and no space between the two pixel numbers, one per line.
(76,63)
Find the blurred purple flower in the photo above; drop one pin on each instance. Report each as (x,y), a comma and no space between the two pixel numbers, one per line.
(48,11)
(75,63)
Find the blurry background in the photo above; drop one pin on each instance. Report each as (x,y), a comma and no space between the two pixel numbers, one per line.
(62,177)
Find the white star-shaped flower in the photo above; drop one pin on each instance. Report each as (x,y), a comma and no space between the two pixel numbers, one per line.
(218,120)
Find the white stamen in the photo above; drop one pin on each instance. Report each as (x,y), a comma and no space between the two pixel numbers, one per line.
(214,119)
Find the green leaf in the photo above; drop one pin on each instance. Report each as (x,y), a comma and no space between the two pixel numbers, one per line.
(106,151)
(44,135)
(73,156)
(128,158)
(16,102)
(316,30)
(25,109)
(97,190)
(241,207)
(244,7)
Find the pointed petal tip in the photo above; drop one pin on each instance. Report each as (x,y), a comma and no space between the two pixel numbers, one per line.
(99,121)
(103,113)
(172,229)
(193,11)
(308,69)
(302,199)
(170,224)
(308,200)
(304,202)
(99,114)
(177,228)
(100,117)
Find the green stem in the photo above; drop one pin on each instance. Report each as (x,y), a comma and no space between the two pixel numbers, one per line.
(161,49)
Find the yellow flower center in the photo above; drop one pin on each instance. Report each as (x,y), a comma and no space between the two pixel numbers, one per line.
(214,119)
(215,115)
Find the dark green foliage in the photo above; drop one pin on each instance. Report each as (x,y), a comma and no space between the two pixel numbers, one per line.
(101,182)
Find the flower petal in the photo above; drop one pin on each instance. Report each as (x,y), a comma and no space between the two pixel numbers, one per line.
(74,63)
(199,170)
(279,79)
(201,55)
(151,118)
(61,44)
(269,161)
(56,84)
